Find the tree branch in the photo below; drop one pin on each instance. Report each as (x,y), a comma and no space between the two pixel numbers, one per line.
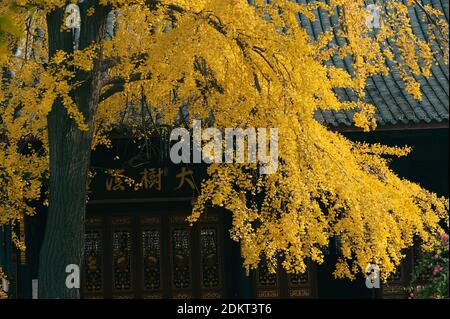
(117,84)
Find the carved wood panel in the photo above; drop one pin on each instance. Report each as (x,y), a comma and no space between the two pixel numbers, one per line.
(269,285)
(153,256)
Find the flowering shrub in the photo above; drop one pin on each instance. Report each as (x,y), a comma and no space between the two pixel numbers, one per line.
(430,277)
(3,294)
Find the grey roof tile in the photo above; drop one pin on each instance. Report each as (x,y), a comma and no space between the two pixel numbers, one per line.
(394,105)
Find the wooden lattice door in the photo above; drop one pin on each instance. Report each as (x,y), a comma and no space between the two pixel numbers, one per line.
(153,256)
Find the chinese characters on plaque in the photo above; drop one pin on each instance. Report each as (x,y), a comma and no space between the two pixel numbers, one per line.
(154,179)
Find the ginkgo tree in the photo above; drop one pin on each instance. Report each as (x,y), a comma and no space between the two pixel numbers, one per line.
(83,68)
(7,27)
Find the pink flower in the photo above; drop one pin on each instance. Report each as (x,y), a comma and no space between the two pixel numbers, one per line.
(444,237)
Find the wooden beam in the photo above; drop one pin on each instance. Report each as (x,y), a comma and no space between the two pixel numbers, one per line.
(395,127)
(141,200)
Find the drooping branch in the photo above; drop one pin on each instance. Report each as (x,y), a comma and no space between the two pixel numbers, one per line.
(117,84)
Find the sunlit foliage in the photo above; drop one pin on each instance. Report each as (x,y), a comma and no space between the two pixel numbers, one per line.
(3,294)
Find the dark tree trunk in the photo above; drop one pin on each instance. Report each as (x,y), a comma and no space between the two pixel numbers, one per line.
(70,152)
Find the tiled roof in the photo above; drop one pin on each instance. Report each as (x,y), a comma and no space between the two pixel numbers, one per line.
(387,93)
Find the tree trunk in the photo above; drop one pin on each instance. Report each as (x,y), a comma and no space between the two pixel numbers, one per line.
(70,152)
